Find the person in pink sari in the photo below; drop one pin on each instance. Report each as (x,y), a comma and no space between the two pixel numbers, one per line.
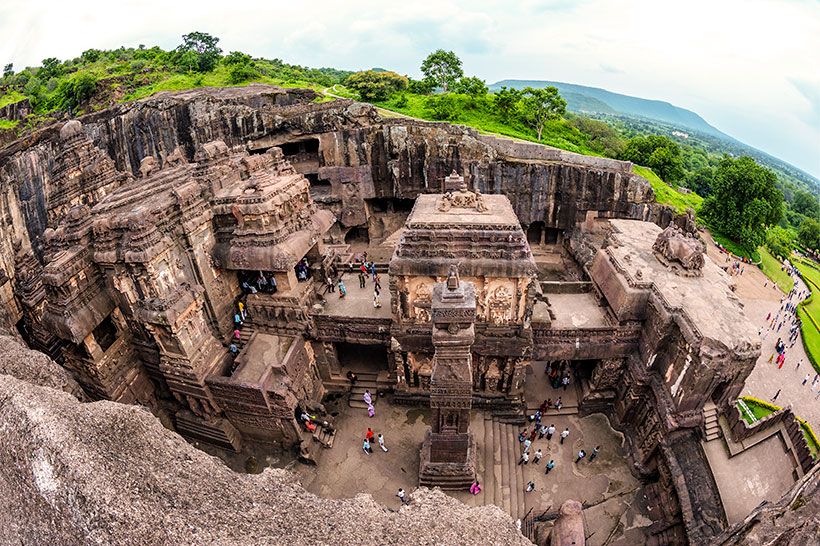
(475,489)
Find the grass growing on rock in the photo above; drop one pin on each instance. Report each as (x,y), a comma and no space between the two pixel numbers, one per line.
(668,195)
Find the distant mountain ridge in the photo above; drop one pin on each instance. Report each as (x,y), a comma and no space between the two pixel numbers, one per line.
(598,102)
(581,98)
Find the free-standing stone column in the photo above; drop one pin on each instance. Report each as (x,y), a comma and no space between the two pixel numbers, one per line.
(448,452)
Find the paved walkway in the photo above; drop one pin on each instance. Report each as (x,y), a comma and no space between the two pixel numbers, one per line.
(760,297)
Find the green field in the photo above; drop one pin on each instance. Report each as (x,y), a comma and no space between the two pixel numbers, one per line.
(771,267)
(809,310)
(666,194)
(8,124)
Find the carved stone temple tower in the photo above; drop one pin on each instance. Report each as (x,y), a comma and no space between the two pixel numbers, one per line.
(449,450)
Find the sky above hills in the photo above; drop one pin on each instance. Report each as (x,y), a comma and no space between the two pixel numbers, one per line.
(749,67)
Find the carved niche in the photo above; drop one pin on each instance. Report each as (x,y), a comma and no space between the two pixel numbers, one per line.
(499,305)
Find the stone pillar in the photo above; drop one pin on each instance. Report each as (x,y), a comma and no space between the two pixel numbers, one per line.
(449,450)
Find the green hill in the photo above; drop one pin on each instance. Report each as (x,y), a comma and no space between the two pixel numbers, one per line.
(624,104)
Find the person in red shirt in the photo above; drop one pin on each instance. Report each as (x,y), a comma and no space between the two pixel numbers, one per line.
(369,434)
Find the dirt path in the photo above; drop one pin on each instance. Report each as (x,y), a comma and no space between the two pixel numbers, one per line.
(760,296)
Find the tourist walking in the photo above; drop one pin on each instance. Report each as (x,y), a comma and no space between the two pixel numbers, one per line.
(381,444)
(527,444)
(581,455)
(371,411)
(237,335)
(542,431)
(550,432)
(241,309)
(342,289)
(377,300)
(565,381)
(564,435)
(402,497)
(369,434)
(776,395)
(530,486)
(233,349)
(594,453)
(525,458)
(550,466)
(558,404)
(361,279)
(537,457)
(366,446)
(368,399)
(806,379)
(475,488)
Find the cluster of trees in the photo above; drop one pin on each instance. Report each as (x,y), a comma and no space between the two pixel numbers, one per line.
(449,93)
(69,85)
(744,201)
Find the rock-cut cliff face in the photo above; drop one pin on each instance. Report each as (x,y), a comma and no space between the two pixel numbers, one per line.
(108,473)
(361,155)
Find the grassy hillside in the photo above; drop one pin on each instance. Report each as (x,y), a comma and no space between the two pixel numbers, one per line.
(809,310)
(668,195)
(625,104)
(480,114)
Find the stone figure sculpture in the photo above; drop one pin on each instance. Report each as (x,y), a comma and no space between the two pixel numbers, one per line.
(675,247)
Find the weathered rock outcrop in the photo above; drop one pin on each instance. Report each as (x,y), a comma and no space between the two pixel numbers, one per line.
(107,473)
(36,368)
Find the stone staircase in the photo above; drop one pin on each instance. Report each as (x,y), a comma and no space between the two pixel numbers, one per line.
(366,381)
(502,479)
(312,445)
(710,422)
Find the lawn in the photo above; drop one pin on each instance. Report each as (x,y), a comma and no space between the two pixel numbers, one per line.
(761,409)
(666,194)
(8,124)
(771,267)
(809,310)
(757,407)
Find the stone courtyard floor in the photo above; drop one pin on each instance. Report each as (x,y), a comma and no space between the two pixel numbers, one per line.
(762,472)
(616,509)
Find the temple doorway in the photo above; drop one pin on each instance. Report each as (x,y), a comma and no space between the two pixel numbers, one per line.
(362,358)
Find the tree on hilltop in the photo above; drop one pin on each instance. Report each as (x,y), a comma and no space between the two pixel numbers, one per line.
(660,153)
(744,201)
(198,52)
(372,85)
(8,70)
(809,234)
(542,105)
(442,68)
(471,85)
(506,102)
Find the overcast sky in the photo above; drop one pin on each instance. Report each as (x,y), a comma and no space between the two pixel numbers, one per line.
(749,67)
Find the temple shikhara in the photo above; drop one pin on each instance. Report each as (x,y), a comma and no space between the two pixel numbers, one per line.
(213,274)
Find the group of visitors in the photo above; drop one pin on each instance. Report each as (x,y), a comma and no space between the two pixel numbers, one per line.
(302,270)
(557,375)
(239,317)
(527,438)
(366,270)
(367,445)
(252,282)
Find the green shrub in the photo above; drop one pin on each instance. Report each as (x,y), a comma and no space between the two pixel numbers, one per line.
(444,107)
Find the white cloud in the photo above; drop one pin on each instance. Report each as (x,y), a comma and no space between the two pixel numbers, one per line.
(745,65)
